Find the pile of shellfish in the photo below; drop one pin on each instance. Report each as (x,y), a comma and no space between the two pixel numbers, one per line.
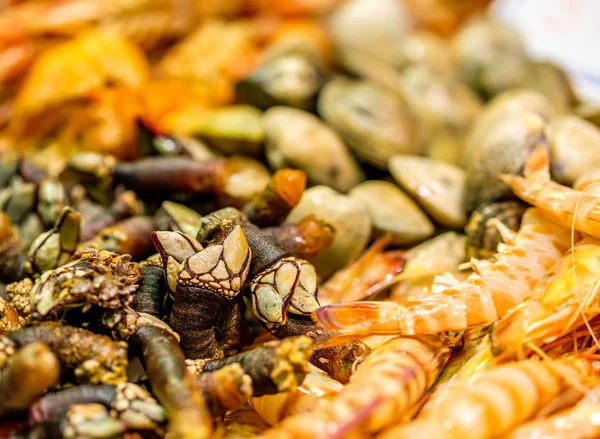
(293,219)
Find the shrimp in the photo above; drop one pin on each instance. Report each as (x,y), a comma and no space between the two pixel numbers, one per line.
(371,273)
(498,400)
(561,204)
(565,298)
(578,422)
(487,294)
(317,385)
(383,389)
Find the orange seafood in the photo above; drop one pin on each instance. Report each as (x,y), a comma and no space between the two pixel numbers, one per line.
(497,401)
(564,299)
(563,205)
(383,389)
(372,272)
(487,294)
(578,422)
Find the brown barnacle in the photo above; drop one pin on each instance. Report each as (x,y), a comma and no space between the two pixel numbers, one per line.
(94,172)
(18,295)
(32,370)
(94,217)
(127,402)
(272,205)
(96,278)
(338,361)
(225,389)
(306,239)
(172,384)
(79,421)
(279,279)
(90,357)
(277,366)
(12,252)
(235,179)
(9,317)
(178,218)
(54,247)
(204,282)
(129,236)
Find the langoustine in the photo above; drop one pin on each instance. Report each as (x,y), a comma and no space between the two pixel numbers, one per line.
(488,293)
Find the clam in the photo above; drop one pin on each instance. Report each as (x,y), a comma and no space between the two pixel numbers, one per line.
(235,129)
(350,219)
(500,141)
(574,148)
(373,121)
(394,212)
(295,138)
(434,257)
(444,107)
(290,79)
(524,100)
(491,57)
(353,31)
(437,186)
(443,253)
(426,49)
(552,81)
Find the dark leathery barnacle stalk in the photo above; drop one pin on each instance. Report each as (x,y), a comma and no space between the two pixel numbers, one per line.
(172,384)
(204,283)
(78,421)
(127,402)
(277,366)
(151,293)
(90,357)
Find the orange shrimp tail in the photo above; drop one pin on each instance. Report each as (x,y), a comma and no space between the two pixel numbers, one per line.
(537,166)
(359,318)
(340,316)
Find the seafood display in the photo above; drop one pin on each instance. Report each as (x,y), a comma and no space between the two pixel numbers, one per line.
(293,219)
